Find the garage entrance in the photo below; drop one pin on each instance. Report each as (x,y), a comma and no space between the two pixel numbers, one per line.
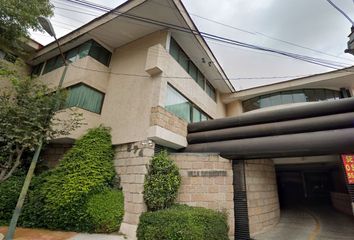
(304,144)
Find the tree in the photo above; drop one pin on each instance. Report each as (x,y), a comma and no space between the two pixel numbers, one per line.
(17,17)
(27,116)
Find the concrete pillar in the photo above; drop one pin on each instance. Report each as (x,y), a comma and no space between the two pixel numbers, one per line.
(131,163)
(262,195)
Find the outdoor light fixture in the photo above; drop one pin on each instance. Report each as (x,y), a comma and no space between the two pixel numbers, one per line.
(48,27)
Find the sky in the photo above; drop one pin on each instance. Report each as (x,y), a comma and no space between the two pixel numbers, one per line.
(311,24)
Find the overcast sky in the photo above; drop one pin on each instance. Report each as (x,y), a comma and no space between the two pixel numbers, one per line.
(310,23)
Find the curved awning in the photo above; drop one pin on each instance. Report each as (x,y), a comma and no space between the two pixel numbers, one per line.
(313,129)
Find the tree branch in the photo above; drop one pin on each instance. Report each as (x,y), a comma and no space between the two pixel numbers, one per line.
(16,164)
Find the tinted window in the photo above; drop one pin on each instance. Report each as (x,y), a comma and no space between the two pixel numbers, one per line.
(287,97)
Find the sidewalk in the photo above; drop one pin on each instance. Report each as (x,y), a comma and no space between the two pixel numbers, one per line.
(41,234)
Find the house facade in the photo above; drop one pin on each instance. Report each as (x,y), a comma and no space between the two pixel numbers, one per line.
(144,70)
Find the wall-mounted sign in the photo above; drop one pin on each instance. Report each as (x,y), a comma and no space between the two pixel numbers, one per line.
(207,173)
(348,162)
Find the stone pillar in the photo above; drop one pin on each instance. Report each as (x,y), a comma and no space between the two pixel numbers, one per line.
(207,181)
(131,163)
(262,195)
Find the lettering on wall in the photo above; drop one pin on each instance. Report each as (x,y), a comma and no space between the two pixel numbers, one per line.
(207,173)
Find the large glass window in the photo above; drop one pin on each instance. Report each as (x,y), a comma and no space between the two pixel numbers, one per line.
(89,48)
(85,97)
(182,107)
(186,63)
(287,97)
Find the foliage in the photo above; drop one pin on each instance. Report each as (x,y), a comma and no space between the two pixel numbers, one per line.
(162,182)
(105,210)
(58,198)
(17,17)
(27,116)
(182,222)
(9,192)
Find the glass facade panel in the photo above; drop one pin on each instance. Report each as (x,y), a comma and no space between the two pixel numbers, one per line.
(84,49)
(85,97)
(288,97)
(193,71)
(182,107)
(90,47)
(100,53)
(36,71)
(72,55)
(201,80)
(174,49)
(183,60)
(197,116)
(177,104)
(50,65)
(181,57)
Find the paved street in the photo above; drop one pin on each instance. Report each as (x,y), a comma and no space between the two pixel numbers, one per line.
(41,234)
(311,223)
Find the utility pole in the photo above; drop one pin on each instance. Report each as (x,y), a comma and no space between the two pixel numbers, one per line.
(47,26)
(350,48)
(351,35)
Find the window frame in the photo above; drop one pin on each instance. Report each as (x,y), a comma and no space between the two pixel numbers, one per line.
(88,86)
(191,106)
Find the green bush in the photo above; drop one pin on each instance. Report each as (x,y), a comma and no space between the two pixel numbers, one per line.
(162,182)
(9,192)
(105,210)
(59,197)
(182,222)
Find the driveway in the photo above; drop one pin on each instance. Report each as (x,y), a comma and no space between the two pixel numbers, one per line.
(319,222)
(41,234)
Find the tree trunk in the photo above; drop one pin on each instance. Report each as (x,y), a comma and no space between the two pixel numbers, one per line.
(14,166)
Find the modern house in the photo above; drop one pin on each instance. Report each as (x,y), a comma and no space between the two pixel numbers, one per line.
(144,70)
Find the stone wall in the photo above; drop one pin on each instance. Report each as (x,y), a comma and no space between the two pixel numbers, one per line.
(262,195)
(342,202)
(131,163)
(207,181)
(53,153)
(163,118)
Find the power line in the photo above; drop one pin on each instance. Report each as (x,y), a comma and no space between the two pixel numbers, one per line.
(215,79)
(341,11)
(262,34)
(317,61)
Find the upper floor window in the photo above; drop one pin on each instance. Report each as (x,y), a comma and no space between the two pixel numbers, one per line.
(89,48)
(85,97)
(182,107)
(288,97)
(186,63)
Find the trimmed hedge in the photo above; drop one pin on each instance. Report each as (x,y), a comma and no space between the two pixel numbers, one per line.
(162,182)
(9,193)
(105,211)
(58,197)
(181,222)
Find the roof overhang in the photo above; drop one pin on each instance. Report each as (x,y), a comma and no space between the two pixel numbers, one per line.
(137,18)
(343,78)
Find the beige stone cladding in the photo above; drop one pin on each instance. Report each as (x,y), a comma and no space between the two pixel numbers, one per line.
(131,164)
(163,118)
(262,195)
(207,181)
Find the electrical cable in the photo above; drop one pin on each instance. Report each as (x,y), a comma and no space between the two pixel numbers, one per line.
(341,11)
(321,62)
